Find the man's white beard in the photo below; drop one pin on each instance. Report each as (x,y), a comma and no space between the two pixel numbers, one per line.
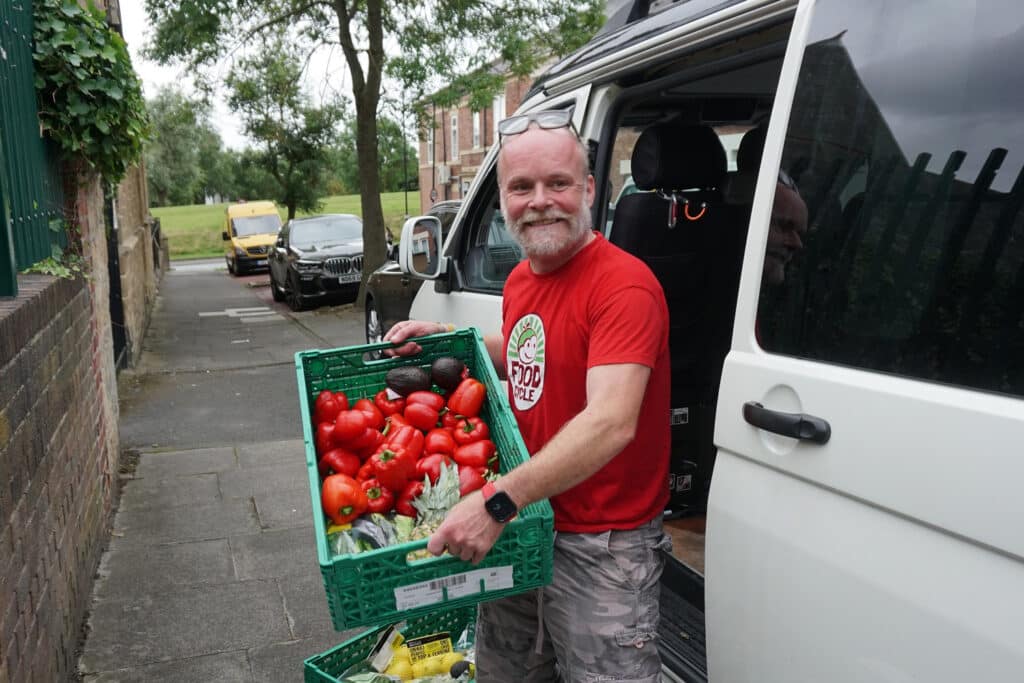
(539,241)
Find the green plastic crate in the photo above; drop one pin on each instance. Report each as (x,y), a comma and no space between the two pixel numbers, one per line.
(363,589)
(336,661)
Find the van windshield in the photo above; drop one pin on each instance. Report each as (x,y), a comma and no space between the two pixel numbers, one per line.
(256,225)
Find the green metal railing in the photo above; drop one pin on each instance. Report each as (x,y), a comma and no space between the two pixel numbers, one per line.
(31,190)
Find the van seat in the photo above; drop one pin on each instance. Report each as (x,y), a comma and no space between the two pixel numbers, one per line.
(680,171)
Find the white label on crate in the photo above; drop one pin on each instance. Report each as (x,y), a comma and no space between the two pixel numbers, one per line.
(458,585)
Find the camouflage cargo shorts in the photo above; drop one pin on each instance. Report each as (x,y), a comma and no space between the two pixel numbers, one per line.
(596,621)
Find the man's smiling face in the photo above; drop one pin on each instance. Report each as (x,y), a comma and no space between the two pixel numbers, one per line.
(546,192)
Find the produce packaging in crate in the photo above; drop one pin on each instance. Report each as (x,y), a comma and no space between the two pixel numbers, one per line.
(386,481)
(433,645)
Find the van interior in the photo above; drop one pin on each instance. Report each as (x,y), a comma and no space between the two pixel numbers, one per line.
(678,163)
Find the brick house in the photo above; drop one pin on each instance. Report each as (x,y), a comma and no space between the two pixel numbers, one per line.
(450,153)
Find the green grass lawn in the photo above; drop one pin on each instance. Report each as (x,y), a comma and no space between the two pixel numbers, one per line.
(194,231)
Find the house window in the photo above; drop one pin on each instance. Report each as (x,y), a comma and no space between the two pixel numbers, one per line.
(455,135)
(476,130)
(430,145)
(499,112)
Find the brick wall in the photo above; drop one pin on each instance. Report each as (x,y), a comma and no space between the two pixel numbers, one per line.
(58,453)
(465,164)
(139,274)
(59,473)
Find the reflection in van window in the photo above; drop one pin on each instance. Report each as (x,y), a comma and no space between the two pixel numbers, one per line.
(256,225)
(906,150)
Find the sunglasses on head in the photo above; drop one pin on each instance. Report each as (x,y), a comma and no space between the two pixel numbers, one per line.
(547,120)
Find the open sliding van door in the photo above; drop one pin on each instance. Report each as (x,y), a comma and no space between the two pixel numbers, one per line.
(863,520)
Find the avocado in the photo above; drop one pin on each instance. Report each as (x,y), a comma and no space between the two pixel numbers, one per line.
(406,380)
(447,372)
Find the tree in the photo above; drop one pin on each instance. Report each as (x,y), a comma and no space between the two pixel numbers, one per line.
(172,161)
(393,149)
(441,38)
(293,135)
(217,178)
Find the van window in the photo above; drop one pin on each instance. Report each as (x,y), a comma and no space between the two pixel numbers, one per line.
(493,252)
(244,226)
(899,246)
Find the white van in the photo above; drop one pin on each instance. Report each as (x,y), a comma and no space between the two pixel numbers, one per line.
(847,322)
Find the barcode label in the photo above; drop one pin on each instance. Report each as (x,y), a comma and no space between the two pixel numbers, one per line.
(457,586)
(448,582)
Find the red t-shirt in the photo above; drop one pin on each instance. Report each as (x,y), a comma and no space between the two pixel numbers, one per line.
(603,307)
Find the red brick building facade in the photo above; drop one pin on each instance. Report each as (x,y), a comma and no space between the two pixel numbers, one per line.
(451,153)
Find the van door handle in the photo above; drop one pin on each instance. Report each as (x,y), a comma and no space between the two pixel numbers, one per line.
(797,425)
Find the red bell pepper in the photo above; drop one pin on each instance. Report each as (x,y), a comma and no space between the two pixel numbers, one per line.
(326,407)
(449,420)
(388,406)
(342,498)
(467,398)
(439,440)
(403,505)
(366,471)
(373,414)
(374,440)
(367,438)
(430,466)
(324,439)
(471,429)
(394,422)
(471,479)
(393,467)
(409,438)
(476,454)
(427,398)
(339,461)
(420,415)
(348,425)
(378,497)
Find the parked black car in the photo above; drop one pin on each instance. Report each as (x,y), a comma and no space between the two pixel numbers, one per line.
(317,258)
(389,293)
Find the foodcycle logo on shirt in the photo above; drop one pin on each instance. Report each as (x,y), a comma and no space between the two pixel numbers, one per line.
(525,361)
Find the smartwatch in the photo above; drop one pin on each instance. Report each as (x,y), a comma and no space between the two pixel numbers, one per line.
(498,504)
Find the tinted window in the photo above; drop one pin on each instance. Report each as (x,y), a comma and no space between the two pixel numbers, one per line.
(325,232)
(902,249)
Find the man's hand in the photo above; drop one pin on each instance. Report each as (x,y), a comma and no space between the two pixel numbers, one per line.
(467,532)
(407,329)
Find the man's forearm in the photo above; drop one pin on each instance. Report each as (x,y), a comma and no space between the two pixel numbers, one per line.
(582,447)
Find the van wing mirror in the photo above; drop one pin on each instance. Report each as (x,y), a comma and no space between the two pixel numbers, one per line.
(419,252)
(224,235)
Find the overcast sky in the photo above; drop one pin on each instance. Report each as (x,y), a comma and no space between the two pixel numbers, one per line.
(136,34)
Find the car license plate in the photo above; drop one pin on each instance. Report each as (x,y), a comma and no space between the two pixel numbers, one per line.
(261,262)
(347,278)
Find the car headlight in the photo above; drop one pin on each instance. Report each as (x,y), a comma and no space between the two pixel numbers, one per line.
(240,252)
(308,267)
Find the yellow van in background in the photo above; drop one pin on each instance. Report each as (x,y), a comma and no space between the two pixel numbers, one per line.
(250,229)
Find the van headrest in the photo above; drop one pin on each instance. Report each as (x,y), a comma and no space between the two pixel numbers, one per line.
(748,156)
(674,157)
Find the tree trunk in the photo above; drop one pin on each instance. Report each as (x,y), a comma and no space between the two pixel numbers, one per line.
(374,244)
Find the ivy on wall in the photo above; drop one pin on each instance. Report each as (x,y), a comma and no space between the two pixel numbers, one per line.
(90,99)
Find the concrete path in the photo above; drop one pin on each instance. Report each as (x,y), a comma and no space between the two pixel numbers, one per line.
(211,572)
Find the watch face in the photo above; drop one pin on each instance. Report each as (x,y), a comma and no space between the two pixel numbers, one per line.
(501,507)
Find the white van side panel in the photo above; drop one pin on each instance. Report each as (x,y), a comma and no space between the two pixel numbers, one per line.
(804,585)
(891,553)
